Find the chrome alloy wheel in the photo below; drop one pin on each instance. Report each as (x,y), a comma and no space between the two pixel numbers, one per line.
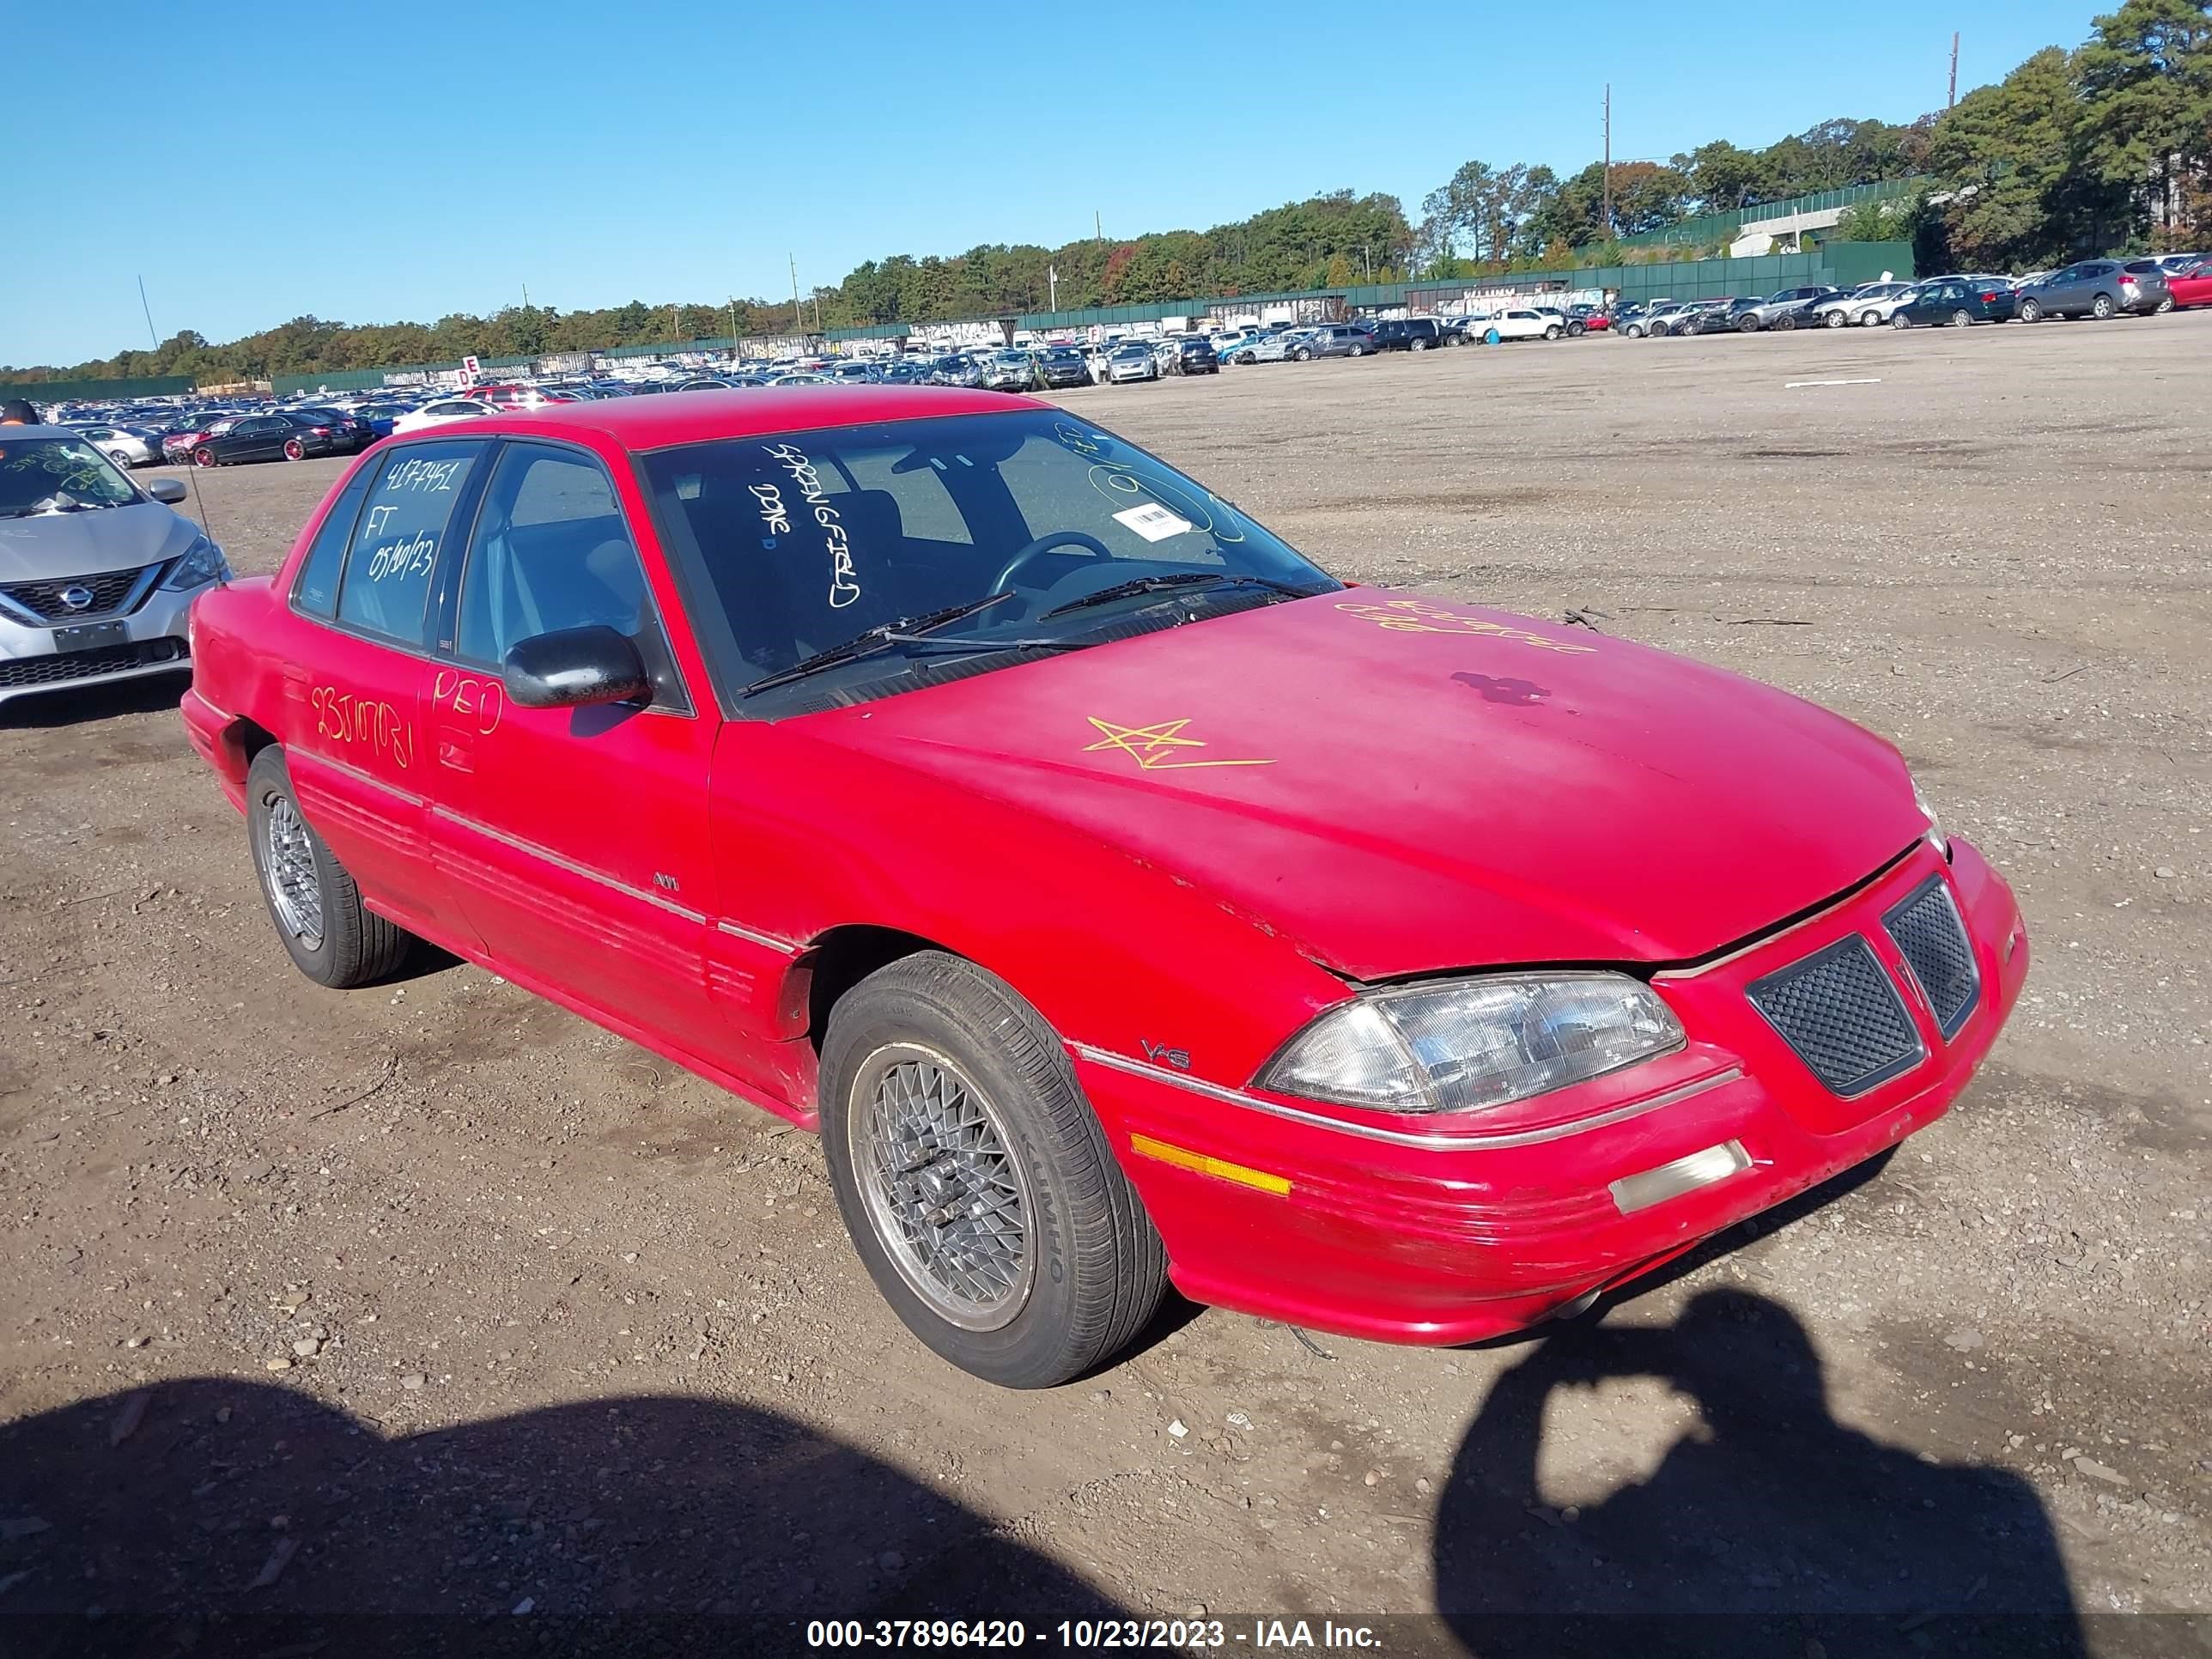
(294,892)
(943,1191)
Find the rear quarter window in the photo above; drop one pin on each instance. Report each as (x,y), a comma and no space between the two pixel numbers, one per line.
(405,520)
(316,590)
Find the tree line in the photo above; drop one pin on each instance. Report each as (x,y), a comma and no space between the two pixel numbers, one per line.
(2106,146)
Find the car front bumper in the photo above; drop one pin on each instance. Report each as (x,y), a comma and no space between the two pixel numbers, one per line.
(155,640)
(1407,1236)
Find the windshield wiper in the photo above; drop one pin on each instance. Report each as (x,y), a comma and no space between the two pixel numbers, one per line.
(1176,579)
(901,630)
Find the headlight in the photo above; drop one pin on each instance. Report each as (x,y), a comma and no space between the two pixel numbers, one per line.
(1935,824)
(1464,1045)
(203,562)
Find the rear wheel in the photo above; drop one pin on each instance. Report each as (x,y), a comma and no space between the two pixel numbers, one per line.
(295,450)
(1575,331)
(1961,319)
(1417,344)
(2101,307)
(976,1184)
(332,936)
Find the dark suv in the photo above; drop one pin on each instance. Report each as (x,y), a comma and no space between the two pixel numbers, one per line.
(1194,355)
(1408,334)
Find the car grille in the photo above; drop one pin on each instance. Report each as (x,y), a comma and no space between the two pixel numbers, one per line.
(18,671)
(1843,1015)
(1932,941)
(110,592)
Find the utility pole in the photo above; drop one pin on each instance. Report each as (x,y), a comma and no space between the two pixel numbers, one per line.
(1952,102)
(1097,225)
(798,319)
(1052,280)
(149,310)
(1608,158)
(734,328)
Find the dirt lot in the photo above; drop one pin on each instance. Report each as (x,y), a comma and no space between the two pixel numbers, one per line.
(450,1304)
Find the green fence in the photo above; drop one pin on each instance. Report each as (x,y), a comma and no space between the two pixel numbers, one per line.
(375,379)
(1711,226)
(95,392)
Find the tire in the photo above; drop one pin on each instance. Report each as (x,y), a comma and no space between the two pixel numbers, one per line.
(1301,356)
(1836,319)
(2164,305)
(1870,319)
(1787,322)
(2030,312)
(1749,324)
(2101,307)
(1550,330)
(1634,331)
(1417,344)
(1087,1270)
(1899,319)
(1961,319)
(202,456)
(1576,331)
(331,936)
(295,450)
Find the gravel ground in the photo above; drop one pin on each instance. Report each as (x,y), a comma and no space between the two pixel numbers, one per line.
(432,1305)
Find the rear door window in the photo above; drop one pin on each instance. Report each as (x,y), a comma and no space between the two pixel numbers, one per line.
(404,522)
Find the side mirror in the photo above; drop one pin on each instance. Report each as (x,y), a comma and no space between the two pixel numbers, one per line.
(575,668)
(167,491)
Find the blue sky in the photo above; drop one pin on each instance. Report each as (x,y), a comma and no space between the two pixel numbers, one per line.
(405,161)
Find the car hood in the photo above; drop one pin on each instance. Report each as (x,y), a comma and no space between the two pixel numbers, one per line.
(1404,785)
(50,545)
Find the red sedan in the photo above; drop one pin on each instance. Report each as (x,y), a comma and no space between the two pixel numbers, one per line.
(2194,289)
(1124,899)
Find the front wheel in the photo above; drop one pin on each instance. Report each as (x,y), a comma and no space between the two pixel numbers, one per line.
(2030,312)
(1834,319)
(975,1182)
(1786,322)
(1900,320)
(1550,330)
(2165,305)
(202,456)
(1749,325)
(331,936)
(1301,356)
(1634,331)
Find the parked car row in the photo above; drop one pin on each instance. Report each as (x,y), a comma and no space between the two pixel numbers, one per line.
(2097,288)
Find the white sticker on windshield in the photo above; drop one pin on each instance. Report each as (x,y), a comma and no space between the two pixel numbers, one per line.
(1153,522)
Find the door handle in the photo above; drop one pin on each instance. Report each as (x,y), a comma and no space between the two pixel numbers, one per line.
(455,756)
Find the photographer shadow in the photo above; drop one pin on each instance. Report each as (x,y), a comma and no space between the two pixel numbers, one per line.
(1770,1528)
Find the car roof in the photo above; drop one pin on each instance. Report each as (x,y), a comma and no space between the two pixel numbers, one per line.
(43,429)
(685,417)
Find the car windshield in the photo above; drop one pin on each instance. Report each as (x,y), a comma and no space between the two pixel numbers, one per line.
(800,543)
(56,475)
